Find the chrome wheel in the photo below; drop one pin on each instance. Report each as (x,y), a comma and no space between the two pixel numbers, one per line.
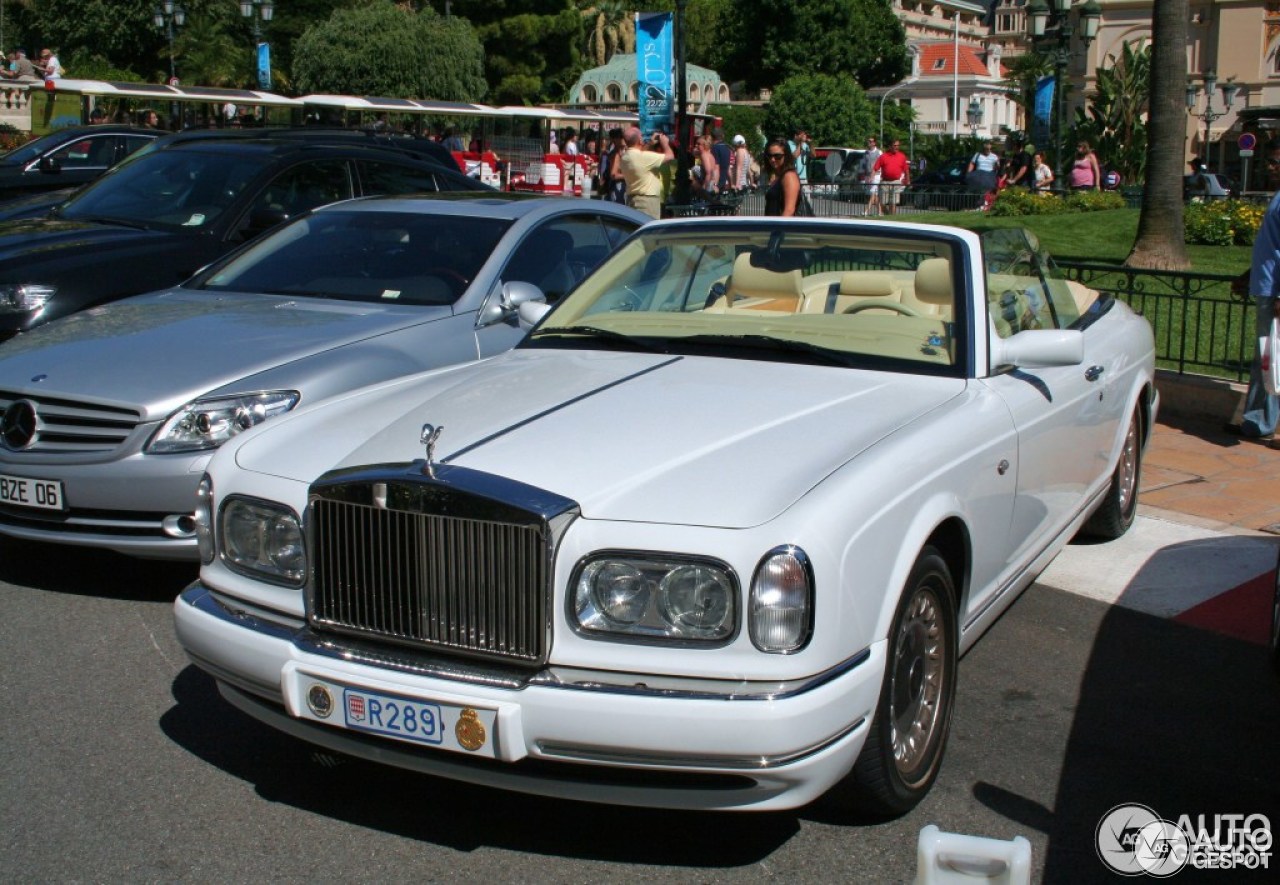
(1127,472)
(918,676)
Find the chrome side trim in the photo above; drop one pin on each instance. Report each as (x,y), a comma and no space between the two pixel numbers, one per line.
(646,685)
(576,753)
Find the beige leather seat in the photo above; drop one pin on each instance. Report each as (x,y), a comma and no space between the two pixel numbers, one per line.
(932,293)
(861,290)
(756,288)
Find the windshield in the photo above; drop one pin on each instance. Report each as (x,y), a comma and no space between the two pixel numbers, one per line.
(837,295)
(383,257)
(173,189)
(1026,290)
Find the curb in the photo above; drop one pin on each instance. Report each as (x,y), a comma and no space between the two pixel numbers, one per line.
(1199,397)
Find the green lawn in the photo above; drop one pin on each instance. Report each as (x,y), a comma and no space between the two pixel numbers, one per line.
(1104,237)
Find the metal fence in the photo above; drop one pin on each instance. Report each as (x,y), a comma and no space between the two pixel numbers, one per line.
(1201,327)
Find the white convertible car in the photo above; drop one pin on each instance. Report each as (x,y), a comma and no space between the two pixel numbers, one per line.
(714,536)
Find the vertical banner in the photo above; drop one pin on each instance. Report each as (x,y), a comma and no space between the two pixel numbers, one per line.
(1041,124)
(653,72)
(264,65)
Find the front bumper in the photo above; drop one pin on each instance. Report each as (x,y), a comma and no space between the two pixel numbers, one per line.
(139,505)
(601,737)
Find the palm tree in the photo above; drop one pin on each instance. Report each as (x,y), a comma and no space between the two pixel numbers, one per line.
(1161,235)
(610,28)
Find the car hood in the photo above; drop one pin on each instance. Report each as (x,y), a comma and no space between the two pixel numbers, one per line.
(38,239)
(652,438)
(155,352)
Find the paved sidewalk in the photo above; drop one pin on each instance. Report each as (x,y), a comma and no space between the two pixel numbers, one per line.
(1196,471)
(1204,547)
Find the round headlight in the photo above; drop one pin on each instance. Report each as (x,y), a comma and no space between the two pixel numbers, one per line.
(696,600)
(617,590)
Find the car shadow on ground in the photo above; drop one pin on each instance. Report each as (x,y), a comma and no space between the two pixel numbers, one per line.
(82,571)
(1176,718)
(459,816)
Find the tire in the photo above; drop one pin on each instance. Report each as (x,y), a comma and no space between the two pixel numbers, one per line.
(1113,518)
(903,752)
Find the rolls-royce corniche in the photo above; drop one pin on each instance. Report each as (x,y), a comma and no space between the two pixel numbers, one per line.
(714,535)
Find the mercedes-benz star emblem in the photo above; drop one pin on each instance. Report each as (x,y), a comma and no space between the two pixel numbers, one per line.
(18,425)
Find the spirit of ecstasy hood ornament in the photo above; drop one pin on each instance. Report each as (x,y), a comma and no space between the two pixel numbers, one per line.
(430,433)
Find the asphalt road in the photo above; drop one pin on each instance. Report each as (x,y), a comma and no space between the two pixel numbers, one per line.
(119,761)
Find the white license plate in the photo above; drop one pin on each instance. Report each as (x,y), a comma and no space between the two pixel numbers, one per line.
(447,726)
(22,491)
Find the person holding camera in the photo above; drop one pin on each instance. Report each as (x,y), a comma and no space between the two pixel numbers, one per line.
(640,170)
(801,151)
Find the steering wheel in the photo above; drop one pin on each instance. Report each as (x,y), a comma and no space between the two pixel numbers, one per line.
(631,301)
(884,304)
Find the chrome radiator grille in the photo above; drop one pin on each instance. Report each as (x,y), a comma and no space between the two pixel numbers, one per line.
(470,583)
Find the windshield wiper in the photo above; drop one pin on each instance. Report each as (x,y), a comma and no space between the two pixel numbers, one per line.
(596,332)
(768,343)
(104,219)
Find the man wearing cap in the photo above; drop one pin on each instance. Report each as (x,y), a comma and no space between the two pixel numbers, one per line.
(741,172)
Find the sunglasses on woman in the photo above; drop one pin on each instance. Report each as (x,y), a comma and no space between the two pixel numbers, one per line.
(775,156)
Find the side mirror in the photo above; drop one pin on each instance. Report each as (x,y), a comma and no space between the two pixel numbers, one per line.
(509,301)
(264,219)
(50,166)
(1039,348)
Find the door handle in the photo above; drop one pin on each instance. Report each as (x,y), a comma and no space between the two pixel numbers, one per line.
(1093,373)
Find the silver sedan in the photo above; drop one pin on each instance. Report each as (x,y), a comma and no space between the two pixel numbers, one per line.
(108,417)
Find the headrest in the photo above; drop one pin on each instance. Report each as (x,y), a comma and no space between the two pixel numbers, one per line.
(933,282)
(874,285)
(748,280)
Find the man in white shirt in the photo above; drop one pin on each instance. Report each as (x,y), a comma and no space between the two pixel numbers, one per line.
(49,65)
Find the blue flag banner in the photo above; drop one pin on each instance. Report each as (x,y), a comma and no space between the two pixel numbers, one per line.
(1041,124)
(654,71)
(264,65)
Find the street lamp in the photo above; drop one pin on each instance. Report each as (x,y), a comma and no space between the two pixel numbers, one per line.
(259,12)
(1229,92)
(681,195)
(1051,28)
(887,93)
(167,16)
(974,116)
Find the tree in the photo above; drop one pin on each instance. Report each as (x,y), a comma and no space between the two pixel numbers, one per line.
(610,27)
(832,108)
(1161,234)
(764,43)
(387,50)
(1114,120)
(531,47)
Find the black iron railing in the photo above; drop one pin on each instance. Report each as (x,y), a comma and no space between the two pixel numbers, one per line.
(1200,326)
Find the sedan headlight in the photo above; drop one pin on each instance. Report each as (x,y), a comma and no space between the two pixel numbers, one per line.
(262,540)
(208,423)
(782,601)
(24,297)
(655,597)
